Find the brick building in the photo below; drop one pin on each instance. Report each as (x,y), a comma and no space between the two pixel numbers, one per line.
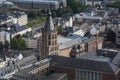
(102,64)
(92,43)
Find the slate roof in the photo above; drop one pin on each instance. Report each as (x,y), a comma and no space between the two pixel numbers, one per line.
(83,64)
(49,25)
(16,64)
(4,17)
(18,14)
(70,43)
(17,28)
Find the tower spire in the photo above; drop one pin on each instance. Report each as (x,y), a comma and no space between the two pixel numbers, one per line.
(49,26)
(49,38)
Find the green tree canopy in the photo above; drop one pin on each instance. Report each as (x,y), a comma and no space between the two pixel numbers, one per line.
(114,5)
(59,29)
(72,7)
(17,43)
(75,6)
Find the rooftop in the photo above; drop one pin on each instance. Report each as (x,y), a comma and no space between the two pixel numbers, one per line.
(108,62)
(66,42)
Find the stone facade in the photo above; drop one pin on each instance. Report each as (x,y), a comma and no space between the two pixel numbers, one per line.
(49,38)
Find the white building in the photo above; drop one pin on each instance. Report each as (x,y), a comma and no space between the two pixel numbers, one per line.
(20,18)
(92,2)
(31,43)
(4,36)
(68,22)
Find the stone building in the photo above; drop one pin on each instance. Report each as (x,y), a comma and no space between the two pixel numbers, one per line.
(49,38)
(39,71)
(20,18)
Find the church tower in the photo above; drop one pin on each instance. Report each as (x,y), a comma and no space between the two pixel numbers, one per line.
(49,38)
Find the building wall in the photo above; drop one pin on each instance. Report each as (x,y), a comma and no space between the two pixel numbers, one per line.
(49,44)
(37,4)
(70,72)
(106,76)
(65,52)
(4,36)
(2,64)
(118,74)
(22,20)
(77,74)
(88,75)
(92,44)
(31,43)
(39,43)
(93,3)
(118,37)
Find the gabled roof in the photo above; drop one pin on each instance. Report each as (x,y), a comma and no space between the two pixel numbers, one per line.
(17,28)
(84,64)
(4,17)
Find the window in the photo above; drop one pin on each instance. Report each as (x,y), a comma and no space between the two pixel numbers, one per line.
(71,76)
(49,37)
(49,43)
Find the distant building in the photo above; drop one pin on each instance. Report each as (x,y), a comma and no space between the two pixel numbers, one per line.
(33,43)
(5,19)
(30,43)
(12,63)
(19,30)
(93,43)
(92,2)
(39,71)
(40,4)
(20,18)
(4,35)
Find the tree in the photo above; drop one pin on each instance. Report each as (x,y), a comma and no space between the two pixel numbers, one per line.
(59,29)
(75,6)
(6,45)
(17,43)
(114,5)
(1,46)
(54,14)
